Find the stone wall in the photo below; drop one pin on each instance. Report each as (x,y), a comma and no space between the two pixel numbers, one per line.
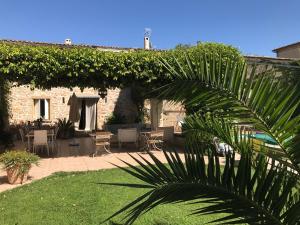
(289,52)
(21,103)
(172,113)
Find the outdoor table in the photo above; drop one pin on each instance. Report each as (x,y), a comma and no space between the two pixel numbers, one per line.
(50,134)
(100,133)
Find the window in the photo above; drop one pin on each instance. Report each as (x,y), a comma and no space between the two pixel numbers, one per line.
(41,108)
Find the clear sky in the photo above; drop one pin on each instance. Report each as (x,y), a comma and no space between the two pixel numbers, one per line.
(254,26)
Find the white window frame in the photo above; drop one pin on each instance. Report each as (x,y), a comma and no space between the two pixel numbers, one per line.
(37,108)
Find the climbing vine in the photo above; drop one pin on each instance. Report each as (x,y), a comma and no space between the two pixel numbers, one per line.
(4,91)
(54,66)
(47,66)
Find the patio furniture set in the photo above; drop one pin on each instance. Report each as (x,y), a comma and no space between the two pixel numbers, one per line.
(36,138)
(144,140)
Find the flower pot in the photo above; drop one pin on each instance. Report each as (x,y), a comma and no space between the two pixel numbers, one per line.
(15,177)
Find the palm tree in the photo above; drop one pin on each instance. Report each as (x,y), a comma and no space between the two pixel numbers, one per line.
(262,187)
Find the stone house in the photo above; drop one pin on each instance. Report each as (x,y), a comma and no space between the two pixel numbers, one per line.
(87,109)
(288,51)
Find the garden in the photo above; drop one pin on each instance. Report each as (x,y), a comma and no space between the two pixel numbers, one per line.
(78,198)
(223,97)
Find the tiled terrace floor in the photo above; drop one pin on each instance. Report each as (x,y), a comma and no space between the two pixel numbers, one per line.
(69,159)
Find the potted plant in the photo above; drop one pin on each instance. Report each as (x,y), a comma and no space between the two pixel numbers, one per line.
(17,164)
(38,123)
(65,128)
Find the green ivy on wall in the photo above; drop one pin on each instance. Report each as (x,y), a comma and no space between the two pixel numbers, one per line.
(75,66)
(53,66)
(4,92)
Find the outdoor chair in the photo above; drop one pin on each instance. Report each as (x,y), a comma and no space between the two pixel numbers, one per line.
(155,140)
(55,143)
(129,135)
(221,147)
(40,140)
(102,139)
(168,134)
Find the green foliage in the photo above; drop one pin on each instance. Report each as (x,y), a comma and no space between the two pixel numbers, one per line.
(245,96)
(65,128)
(291,75)
(183,46)
(20,159)
(6,139)
(50,66)
(4,93)
(138,96)
(223,97)
(115,118)
(253,191)
(5,136)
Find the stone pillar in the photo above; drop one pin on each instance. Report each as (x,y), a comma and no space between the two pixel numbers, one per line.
(156,113)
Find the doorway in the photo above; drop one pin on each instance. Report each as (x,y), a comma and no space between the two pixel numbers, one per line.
(83,112)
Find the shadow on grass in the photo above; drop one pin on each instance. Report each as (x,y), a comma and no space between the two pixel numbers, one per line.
(157,222)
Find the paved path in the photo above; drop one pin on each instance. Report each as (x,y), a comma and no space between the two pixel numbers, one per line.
(80,163)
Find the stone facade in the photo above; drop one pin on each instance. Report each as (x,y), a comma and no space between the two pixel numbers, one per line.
(172,114)
(21,103)
(119,101)
(289,51)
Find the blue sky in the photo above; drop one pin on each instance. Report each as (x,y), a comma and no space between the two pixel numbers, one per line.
(254,26)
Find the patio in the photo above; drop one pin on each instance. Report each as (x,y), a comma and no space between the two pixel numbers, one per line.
(78,158)
(76,155)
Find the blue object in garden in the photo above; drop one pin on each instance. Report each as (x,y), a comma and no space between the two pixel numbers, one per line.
(265,138)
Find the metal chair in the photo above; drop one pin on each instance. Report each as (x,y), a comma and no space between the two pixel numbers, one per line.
(155,140)
(40,139)
(221,147)
(55,134)
(102,139)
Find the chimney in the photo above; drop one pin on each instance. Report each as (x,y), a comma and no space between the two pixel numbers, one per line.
(146,42)
(147,35)
(68,41)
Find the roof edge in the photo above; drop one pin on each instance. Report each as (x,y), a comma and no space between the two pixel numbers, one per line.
(286,46)
(39,43)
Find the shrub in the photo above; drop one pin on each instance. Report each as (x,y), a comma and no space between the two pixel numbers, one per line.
(20,159)
(115,118)
(6,139)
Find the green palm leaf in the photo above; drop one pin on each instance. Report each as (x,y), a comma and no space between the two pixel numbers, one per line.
(262,186)
(249,194)
(249,97)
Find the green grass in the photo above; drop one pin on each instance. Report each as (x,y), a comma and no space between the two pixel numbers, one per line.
(77,198)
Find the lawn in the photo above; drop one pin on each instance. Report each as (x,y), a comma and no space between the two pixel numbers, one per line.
(77,198)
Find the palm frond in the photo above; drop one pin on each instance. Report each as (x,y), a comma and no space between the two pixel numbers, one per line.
(236,136)
(233,91)
(257,194)
(262,186)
